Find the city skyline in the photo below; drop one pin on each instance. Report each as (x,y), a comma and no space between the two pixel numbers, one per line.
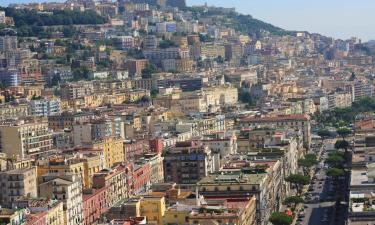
(332,18)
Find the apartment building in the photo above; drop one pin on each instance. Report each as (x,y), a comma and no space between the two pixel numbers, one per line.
(188,162)
(18,183)
(299,122)
(68,189)
(26,139)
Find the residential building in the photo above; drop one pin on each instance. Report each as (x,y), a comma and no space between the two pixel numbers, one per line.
(18,183)
(188,162)
(26,139)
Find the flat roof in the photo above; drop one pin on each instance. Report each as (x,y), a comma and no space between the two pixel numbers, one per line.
(233,178)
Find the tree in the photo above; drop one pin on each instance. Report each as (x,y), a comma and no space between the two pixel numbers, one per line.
(145,99)
(335,172)
(342,144)
(148,71)
(154,93)
(307,162)
(298,181)
(335,159)
(81,73)
(324,133)
(279,218)
(167,44)
(344,132)
(293,201)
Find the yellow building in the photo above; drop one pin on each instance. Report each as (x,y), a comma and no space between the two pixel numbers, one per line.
(113,150)
(239,211)
(94,100)
(92,164)
(153,208)
(115,99)
(33,91)
(61,166)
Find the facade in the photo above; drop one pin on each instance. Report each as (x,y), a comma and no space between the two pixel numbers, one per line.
(239,185)
(44,107)
(68,189)
(10,77)
(18,183)
(136,66)
(188,162)
(13,111)
(113,150)
(26,139)
(115,183)
(153,208)
(298,121)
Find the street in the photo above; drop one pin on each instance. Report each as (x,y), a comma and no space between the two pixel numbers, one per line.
(319,210)
(319,200)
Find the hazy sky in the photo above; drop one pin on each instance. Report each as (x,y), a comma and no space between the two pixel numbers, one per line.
(337,18)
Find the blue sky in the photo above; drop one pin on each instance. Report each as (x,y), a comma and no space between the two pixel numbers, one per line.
(336,18)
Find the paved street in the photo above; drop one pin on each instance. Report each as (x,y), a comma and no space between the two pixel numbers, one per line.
(319,203)
(320,212)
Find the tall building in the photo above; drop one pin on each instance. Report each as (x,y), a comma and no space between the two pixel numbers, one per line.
(2,17)
(188,162)
(18,183)
(9,77)
(68,189)
(26,139)
(135,67)
(8,42)
(150,42)
(44,107)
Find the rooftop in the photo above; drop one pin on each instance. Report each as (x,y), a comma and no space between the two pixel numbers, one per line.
(232,178)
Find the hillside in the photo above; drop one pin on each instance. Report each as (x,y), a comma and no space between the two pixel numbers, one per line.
(240,22)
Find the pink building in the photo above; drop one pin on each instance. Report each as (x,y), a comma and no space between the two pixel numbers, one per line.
(94,205)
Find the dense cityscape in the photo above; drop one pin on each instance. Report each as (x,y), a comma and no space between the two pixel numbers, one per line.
(156,112)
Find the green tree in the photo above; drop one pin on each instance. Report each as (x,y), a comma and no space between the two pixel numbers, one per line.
(298,181)
(279,218)
(342,144)
(81,73)
(335,159)
(307,162)
(154,93)
(344,132)
(167,44)
(324,133)
(148,71)
(335,172)
(293,201)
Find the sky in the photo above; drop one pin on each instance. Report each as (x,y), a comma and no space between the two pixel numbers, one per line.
(335,18)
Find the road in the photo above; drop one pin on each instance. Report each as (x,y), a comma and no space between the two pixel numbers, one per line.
(319,205)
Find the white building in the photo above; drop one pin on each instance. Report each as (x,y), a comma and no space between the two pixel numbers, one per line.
(68,189)
(44,107)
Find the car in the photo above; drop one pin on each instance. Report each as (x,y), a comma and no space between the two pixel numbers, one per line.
(305,206)
(311,189)
(299,219)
